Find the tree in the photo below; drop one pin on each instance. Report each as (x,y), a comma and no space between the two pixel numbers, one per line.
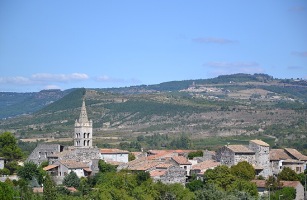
(193,154)
(71,180)
(220,176)
(195,185)
(9,148)
(243,170)
(210,192)
(245,186)
(28,171)
(287,174)
(49,192)
(105,167)
(131,157)
(6,191)
(286,193)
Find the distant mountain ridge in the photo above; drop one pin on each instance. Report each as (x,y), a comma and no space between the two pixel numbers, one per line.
(14,104)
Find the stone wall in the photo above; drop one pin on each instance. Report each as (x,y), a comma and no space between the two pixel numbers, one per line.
(174,174)
(42,151)
(225,156)
(262,158)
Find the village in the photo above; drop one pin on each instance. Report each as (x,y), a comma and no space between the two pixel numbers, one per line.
(166,166)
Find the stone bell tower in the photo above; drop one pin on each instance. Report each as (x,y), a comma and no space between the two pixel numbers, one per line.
(83,136)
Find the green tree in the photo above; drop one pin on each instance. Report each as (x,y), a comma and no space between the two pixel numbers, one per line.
(245,186)
(287,174)
(220,176)
(243,170)
(210,192)
(29,171)
(9,148)
(195,185)
(6,191)
(71,180)
(193,154)
(287,193)
(131,156)
(105,167)
(49,189)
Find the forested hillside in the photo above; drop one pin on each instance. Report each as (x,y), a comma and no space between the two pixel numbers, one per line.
(247,105)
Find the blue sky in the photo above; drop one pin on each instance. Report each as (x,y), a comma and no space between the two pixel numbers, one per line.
(99,43)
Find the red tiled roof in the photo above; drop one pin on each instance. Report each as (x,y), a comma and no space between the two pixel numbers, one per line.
(72,164)
(296,154)
(181,160)
(50,167)
(38,190)
(260,142)
(72,189)
(239,149)
(164,165)
(87,169)
(278,154)
(261,183)
(206,165)
(113,151)
(156,173)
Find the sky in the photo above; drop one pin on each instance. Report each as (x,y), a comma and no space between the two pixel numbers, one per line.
(56,44)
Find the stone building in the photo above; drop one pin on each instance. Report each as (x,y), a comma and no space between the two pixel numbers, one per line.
(43,151)
(233,154)
(262,157)
(114,155)
(281,158)
(83,136)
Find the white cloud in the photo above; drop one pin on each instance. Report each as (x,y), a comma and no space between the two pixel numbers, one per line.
(59,77)
(15,80)
(213,40)
(49,87)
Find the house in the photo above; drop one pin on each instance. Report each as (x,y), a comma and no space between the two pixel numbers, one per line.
(199,169)
(262,157)
(233,154)
(299,188)
(115,155)
(281,158)
(64,167)
(43,151)
(183,163)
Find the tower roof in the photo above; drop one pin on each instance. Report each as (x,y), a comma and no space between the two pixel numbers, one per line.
(83,115)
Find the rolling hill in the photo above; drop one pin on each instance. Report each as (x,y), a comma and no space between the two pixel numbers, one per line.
(247,105)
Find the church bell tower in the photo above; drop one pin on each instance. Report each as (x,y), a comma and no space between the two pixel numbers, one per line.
(83,136)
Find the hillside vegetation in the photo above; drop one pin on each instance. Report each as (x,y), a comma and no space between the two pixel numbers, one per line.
(247,105)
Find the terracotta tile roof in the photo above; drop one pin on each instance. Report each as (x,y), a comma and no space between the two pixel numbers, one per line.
(181,160)
(261,183)
(50,167)
(141,164)
(87,169)
(208,164)
(113,151)
(260,142)
(164,166)
(72,189)
(296,154)
(38,190)
(278,154)
(157,173)
(239,149)
(72,164)
(290,183)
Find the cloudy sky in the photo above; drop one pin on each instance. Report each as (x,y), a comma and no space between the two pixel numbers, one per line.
(103,43)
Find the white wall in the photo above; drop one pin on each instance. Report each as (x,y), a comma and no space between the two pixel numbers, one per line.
(115,157)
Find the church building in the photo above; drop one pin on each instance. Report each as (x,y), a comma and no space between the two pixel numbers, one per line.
(83,136)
